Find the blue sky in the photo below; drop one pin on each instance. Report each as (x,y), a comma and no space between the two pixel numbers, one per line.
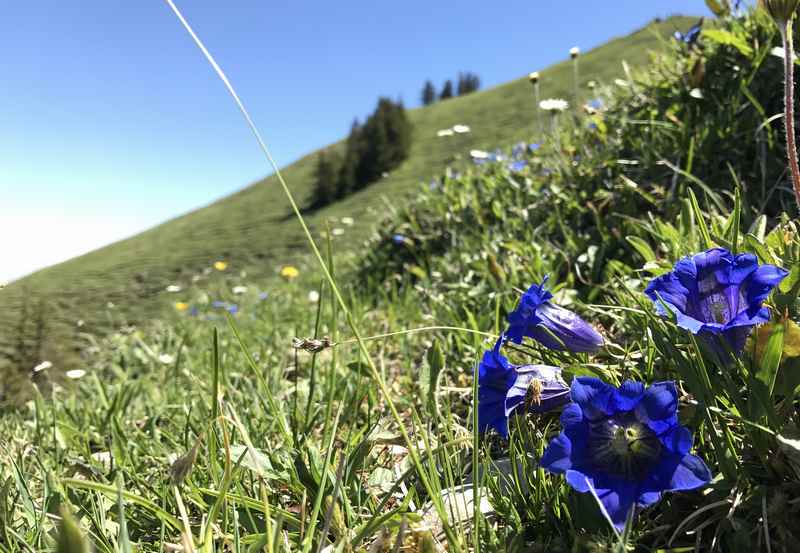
(112,122)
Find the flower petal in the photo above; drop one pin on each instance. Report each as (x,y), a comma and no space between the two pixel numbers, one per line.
(564,329)
(577,481)
(627,396)
(557,457)
(593,395)
(616,500)
(678,440)
(761,282)
(691,473)
(572,415)
(525,317)
(658,407)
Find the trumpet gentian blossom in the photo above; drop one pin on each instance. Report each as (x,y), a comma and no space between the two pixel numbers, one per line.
(503,388)
(717,296)
(624,445)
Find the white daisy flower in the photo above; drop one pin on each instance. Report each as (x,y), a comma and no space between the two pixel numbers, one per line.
(461,129)
(348,221)
(444,132)
(554,104)
(337,231)
(43,366)
(166,359)
(478,154)
(313,296)
(239,290)
(75,374)
(574,52)
(173,288)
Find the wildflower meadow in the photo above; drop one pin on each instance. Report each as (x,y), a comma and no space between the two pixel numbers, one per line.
(584,341)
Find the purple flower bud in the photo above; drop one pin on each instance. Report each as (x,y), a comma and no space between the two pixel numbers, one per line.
(552,326)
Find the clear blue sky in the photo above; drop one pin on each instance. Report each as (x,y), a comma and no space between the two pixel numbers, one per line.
(112,122)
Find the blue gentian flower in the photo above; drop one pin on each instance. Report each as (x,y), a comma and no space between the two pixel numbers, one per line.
(534,146)
(691,35)
(219,304)
(503,387)
(194,311)
(263,296)
(518,150)
(232,308)
(597,104)
(717,296)
(624,445)
(552,326)
(399,239)
(518,165)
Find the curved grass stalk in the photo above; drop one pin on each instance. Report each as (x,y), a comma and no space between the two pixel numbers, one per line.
(412,448)
(414,331)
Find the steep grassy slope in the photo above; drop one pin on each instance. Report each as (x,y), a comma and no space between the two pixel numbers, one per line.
(253,229)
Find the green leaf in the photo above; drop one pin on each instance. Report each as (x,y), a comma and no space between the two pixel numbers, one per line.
(771,359)
(124,539)
(255,460)
(791,280)
(759,228)
(642,247)
(727,38)
(435,359)
(70,536)
(701,222)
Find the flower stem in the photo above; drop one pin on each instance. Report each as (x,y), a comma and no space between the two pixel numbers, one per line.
(788,67)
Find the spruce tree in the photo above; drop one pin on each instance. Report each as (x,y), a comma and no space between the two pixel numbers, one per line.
(447,90)
(385,141)
(468,82)
(428,94)
(348,170)
(325,179)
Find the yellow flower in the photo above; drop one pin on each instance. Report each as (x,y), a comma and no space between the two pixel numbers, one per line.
(220,265)
(181,306)
(288,272)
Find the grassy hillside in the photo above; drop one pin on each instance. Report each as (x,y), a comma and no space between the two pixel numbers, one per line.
(253,230)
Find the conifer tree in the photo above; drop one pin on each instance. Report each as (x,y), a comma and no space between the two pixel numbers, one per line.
(447,90)
(468,82)
(428,94)
(347,180)
(326,179)
(386,140)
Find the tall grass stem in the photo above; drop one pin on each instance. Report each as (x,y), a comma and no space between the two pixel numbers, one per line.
(411,445)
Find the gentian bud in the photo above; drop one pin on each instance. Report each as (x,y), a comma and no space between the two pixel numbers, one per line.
(551,325)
